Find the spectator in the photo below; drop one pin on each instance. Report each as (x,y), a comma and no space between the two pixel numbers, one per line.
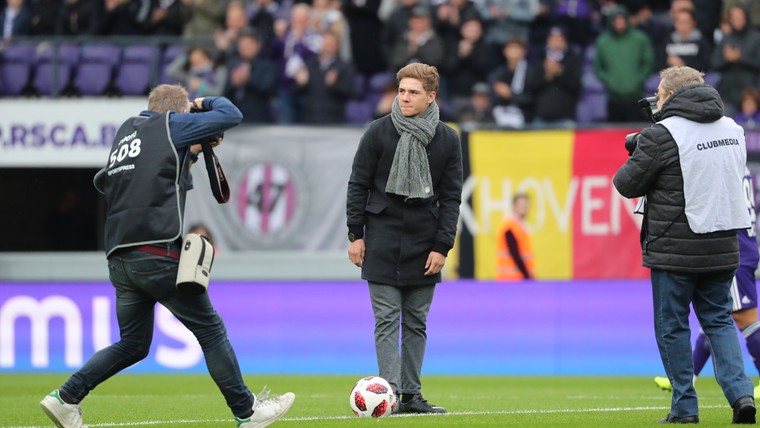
(44,17)
(117,18)
(450,16)
(203,18)
(508,19)
(165,18)
(752,8)
(512,103)
(419,43)
(364,26)
(554,83)
(514,244)
(749,114)
(737,58)
(576,16)
(685,46)
(293,49)
(198,73)
(397,24)
(327,82)
(77,17)
(468,60)
(16,18)
(623,61)
(225,39)
(479,109)
(252,79)
(708,15)
(327,17)
(261,15)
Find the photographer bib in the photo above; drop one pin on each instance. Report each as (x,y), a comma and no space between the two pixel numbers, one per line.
(713,157)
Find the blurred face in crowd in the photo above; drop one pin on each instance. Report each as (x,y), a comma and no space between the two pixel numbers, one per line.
(299,17)
(737,18)
(198,59)
(236,18)
(472,30)
(556,42)
(620,23)
(248,47)
(514,51)
(412,97)
(680,6)
(749,103)
(419,24)
(330,45)
(683,23)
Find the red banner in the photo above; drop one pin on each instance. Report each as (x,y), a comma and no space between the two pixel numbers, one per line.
(605,230)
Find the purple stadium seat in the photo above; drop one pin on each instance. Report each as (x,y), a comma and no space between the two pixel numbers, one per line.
(136,69)
(96,68)
(16,67)
(591,83)
(46,80)
(591,108)
(171,52)
(712,78)
(650,86)
(359,112)
(378,81)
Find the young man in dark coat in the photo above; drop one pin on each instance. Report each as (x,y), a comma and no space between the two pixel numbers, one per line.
(402,211)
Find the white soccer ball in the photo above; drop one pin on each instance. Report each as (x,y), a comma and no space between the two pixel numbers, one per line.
(372,396)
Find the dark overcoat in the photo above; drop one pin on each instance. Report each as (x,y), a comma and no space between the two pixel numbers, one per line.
(400,235)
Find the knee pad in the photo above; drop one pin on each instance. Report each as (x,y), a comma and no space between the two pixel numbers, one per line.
(195,263)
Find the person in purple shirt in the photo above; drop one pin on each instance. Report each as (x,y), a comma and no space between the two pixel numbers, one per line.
(743,293)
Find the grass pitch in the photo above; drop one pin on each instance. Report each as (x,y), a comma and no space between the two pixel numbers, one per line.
(130,400)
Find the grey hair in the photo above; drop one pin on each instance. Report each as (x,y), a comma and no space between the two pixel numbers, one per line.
(680,76)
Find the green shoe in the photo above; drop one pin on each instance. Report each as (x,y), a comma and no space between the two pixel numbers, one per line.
(663,383)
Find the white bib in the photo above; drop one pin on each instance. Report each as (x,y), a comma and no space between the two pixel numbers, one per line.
(713,159)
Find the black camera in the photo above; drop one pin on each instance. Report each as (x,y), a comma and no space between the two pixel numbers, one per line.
(210,140)
(649,106)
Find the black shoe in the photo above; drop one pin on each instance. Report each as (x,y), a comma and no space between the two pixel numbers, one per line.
(417,404)
(744,410)
(670,419)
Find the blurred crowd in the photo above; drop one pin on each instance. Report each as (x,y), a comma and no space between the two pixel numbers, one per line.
(509,63)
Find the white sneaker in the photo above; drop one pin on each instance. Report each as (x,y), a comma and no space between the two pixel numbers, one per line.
(64,415)
(267,410)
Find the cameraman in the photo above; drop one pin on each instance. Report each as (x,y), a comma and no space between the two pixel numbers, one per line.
(690,167)
(144,183)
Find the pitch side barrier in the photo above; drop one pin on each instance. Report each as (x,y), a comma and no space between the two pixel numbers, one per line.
(286,216)
(325,327)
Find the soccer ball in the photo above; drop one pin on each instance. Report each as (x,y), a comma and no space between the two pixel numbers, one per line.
(372,396)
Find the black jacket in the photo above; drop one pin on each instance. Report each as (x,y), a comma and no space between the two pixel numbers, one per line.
(654,170)
(399,236)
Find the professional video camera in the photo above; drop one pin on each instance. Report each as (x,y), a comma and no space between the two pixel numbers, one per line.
(649,106)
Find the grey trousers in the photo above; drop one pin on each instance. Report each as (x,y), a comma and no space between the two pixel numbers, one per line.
(405,308)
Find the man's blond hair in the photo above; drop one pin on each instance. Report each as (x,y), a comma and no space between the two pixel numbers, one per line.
(427,74)
(680,76)
(164,98)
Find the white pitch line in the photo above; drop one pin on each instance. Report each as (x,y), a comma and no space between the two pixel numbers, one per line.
(444,415)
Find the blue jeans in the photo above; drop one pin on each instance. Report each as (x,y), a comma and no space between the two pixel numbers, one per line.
(710,295)
(140,280)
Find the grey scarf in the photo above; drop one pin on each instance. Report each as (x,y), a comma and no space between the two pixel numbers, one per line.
(410,172)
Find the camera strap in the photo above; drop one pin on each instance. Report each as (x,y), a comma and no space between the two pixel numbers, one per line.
(219,185)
